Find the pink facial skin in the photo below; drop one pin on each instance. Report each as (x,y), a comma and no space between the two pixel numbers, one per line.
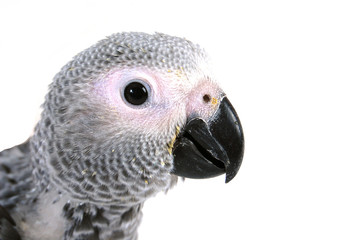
(204,99)
(170,99)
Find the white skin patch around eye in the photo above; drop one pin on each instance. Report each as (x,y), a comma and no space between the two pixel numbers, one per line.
(171,100)
(109,87)
(156,113)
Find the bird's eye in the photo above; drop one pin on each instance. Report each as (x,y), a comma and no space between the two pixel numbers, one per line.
(135,93)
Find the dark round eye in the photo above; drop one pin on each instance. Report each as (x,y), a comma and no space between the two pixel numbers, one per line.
(135,93)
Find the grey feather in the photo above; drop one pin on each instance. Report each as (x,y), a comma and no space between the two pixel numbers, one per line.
(8,229)
(15,175)
(15,181)
(75,178)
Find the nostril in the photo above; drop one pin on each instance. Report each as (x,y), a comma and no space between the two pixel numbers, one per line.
(206,98)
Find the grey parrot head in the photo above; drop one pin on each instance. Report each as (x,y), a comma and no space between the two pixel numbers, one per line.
(128,115)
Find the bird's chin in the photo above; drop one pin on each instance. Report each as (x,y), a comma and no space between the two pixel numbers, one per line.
(206,149)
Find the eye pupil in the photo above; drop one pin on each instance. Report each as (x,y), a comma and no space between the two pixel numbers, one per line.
(135,93)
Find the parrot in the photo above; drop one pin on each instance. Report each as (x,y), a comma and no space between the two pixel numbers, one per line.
(121,122)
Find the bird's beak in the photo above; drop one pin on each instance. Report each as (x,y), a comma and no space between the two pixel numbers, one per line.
(207,149)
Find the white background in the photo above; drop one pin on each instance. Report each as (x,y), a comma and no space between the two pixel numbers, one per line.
(292,69)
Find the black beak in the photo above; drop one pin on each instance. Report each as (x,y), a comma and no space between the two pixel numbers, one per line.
(208,149)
